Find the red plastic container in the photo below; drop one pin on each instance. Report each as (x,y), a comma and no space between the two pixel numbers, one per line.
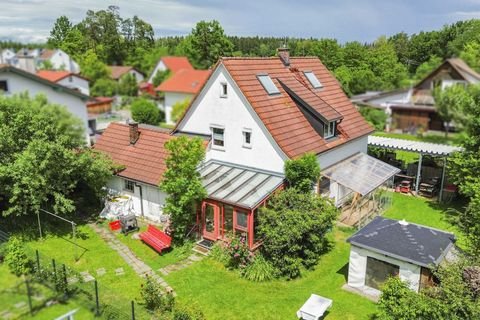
(115,225)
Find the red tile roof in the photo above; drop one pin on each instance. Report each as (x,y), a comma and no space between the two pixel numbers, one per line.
(145,160)
(186,81)
(54,75)
(118,71)
(175,64)
(280,113)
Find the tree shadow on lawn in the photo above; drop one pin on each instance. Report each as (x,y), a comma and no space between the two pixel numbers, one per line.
(450,211)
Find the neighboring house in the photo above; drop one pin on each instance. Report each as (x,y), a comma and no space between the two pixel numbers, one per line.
(7,56)
(182,85)
(389,248)
(259,112)
(141,150)
(59,59)
(173,64)
(67,79)
(414,108)
(99,105)
(14,81)
(117,72)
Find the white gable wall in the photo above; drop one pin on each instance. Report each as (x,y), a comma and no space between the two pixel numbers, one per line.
(62,61)
(234,114)
(19,84)
(346,150)
(357,268)
(159,67)
(75,82)
(140,77)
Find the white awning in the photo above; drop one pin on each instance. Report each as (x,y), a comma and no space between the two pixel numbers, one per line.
(360,173)
(242,186)
(413,146)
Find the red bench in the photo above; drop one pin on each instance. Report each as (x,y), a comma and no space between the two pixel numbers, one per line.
(156,238)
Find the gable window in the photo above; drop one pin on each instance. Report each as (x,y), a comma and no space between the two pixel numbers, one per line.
(268,84)
(247,138)
(218,138)
(129,185)
(3,86)
(70,79)
(312,78)
(329,129)
(223,90)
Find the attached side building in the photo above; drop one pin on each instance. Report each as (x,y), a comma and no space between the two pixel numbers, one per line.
(67,79)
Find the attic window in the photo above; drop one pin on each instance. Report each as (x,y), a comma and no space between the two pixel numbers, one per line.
(223,90)
(268,84)
(329,129)
(312,78)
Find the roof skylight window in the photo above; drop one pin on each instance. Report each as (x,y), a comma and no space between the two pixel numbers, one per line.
(268,84)
(313,79)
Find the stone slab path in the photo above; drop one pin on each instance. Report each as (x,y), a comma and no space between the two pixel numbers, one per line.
(140,267)
(180,265)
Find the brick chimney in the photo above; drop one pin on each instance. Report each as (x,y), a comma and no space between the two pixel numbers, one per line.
(284,55)
(133,130)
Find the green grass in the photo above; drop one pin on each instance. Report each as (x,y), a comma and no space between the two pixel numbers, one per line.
(95,254)
(425,212)
(223,294)
(150,256)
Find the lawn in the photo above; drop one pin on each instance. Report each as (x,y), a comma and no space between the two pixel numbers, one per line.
(94,254)
(222,294)
(426,212)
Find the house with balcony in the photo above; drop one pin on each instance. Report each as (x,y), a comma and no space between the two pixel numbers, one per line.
(256,113)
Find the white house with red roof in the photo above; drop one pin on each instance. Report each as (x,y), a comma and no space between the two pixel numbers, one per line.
(59,59)
(68,79)
(173,64)
(181,86)
(117,72)
(255,114)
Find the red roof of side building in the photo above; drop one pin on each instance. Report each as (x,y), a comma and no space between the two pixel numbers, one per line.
(185,81)
(54,75)
(145,160)
(175,64)
(282,114)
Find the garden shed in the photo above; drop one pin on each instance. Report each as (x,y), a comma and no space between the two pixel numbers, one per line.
(390,248)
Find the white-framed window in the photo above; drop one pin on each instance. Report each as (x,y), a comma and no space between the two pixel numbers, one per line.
(218,137)
(3,86)
(70,79)
(223,90)
(129,185)
(312,78)
(247,138)
(329,129)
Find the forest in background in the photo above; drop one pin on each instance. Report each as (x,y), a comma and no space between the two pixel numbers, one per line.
(104,37)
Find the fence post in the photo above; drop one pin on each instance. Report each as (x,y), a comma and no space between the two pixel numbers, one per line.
(29,294)
(65,281)
(133,310)
(54,274)
(38,262)
(97,302)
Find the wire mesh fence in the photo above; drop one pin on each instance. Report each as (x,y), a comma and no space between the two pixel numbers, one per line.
(52,282)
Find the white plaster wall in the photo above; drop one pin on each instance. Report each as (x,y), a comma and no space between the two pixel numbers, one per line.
(159,67)
(77,106)
(330,157)
(137,75)
(170,99)
(234,114)
(61,60)
(75,82)
(153,198)
(358,265)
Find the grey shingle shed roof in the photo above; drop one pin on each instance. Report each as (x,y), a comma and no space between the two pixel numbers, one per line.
(404,241)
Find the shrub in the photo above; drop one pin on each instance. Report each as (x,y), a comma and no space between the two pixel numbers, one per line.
(219,253)
(294,227)
(128,86)
(179,108)
(302,173)
(154,298)
(239,256)
(376,117)
(104,88)
(145,111)
(16,257)
(187,313)
(259,269)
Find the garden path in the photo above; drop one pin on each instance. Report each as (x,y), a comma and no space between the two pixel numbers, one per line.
(140,267)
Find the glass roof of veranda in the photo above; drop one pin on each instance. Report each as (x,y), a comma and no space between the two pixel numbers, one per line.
(360,173)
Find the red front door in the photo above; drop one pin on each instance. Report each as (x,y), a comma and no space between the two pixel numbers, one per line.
(210,219)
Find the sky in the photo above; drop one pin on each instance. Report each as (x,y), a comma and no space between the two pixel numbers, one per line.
(345,20)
